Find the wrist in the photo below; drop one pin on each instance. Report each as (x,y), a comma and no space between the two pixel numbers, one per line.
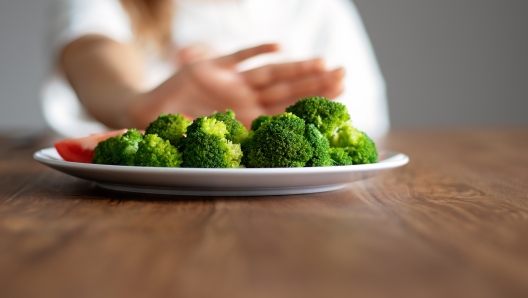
(172,96)
(137,111)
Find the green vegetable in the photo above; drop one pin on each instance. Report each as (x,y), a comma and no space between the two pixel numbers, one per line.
(326,115)
(257,122)
(279,142)
(357,144)
(244,146)
(320,146)
(340,157)
(118,150)
(154,151)
(333,121)
(314,132)
(170,127)
(206,146)
(236,130)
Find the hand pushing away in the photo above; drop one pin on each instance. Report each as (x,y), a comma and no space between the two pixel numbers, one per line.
(204,86)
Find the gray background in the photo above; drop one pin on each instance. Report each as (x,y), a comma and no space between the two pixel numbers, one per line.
(446,62)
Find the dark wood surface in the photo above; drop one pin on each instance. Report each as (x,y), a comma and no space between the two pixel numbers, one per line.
(452,223)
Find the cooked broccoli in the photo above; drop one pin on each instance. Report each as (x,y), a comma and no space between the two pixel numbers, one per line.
(340,157)
(320,146)
(244,146)
(118,150)
(326,115)
(333,121)
(154,151)
(170,127)
(357,144)
(257,122)
(279,142)
(313,132)
(206,146)
(236,130)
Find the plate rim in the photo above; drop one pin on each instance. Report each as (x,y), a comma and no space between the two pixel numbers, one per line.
(396,160)
(281,191)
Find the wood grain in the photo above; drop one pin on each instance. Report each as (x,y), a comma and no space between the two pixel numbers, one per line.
(452,223)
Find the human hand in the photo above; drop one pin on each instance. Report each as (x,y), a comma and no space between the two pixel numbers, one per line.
(194,53)
(203,87)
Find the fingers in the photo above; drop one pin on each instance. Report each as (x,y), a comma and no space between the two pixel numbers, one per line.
(233,59)
(269,74)
(195,52)
(334,92)
(313,85)
(280,107)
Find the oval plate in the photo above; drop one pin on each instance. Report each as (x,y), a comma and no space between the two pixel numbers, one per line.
(221,182)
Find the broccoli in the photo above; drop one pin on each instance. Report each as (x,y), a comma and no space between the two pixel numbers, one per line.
(314,132)
(118,150)
(236,130)
(154,151)
(326,115)
(257,122)
(206,146)
(333,121)
(321,147)
(170,127)
(244,146)
(279,142)
(340,157)
(357,144)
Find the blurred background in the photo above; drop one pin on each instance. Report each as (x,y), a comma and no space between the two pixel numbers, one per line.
(445,62)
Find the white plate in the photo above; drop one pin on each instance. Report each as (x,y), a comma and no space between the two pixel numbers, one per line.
(221,182)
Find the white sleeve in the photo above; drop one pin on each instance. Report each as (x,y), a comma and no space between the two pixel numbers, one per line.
(343,41)
(71,19)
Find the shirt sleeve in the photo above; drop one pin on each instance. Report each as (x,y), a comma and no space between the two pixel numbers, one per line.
(68,20)
(71,19)
(343,41)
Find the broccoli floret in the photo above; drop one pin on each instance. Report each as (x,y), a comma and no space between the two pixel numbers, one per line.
(290,121)
(154,151)
(170,127)
(326,115)
(279,142)
(236,130)
(118,150)
(340,157)
(246,143)
(244,146)
(356,143)
(321,147)
(333,121)
(257,122)
(206,146)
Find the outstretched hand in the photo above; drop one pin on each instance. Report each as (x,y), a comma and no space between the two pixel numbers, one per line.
(205,86)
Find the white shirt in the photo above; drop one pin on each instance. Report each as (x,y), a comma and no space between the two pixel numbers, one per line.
(305,29)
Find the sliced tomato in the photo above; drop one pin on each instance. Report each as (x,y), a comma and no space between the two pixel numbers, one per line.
(82,149)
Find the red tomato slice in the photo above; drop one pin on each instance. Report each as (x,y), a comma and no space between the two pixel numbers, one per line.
(82,149)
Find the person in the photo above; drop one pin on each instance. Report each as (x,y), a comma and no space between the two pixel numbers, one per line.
(120,63)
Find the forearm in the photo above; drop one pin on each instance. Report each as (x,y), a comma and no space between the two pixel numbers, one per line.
(106,75)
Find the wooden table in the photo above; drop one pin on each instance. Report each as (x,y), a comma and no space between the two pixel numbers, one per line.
(452,223)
